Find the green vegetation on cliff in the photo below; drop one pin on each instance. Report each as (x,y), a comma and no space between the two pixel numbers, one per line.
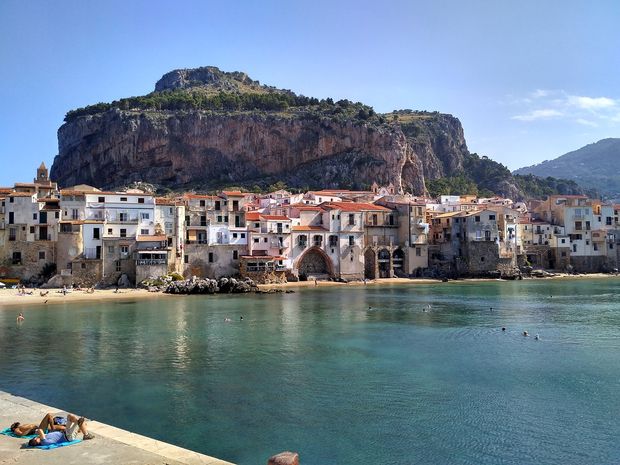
(486,178)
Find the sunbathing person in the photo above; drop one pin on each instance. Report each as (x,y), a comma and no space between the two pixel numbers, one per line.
(48,423)
(70,432)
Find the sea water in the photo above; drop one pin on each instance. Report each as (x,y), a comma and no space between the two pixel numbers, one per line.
(341,375)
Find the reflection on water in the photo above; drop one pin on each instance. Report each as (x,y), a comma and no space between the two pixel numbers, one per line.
(320,373)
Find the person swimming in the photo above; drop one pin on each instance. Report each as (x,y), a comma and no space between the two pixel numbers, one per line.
(536,337)
(503,328)
(227,320)
(525,333)
(20,317)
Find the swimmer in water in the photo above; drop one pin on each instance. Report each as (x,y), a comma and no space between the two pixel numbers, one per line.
(20,317)
(503,329)
(241,318)
(525,333)
(536,337)
(227,320)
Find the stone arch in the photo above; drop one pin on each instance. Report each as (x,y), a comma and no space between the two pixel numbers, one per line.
(384,258)
(398,262)
(370,264)
(314,262)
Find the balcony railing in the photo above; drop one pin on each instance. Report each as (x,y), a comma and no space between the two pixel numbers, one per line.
(151,261)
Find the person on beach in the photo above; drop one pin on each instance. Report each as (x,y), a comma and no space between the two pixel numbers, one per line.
(68,434)
(49,423)
(20,318)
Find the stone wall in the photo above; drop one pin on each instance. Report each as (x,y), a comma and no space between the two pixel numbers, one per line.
(481,257)
(223,263)
(31,262)
(87,273)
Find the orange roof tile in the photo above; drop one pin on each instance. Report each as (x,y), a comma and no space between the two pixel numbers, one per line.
(233,193)
(252,216)
(151,238)
(275,217)
(355,206)
(308,228)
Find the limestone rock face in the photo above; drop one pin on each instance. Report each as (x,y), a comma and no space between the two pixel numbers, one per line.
(207,149)
(182,136)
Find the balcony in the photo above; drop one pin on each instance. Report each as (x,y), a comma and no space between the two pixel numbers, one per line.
(151,261)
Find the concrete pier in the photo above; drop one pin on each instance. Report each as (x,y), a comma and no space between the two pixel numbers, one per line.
(111,445)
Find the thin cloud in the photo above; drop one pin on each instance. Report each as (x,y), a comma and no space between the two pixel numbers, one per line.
(591,103)
(584,110)
(585,122)
(534,115)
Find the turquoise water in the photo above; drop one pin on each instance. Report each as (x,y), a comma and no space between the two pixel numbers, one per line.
(319,373)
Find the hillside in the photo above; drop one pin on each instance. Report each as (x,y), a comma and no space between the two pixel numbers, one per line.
(205,129)
(595,166)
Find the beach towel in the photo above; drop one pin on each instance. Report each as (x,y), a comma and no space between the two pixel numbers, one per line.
(58,444)
(8,432)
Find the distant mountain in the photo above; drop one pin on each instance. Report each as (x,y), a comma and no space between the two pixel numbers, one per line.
(595,166)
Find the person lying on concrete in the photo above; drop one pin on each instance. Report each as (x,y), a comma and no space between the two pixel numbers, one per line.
(49,423)
(70,433)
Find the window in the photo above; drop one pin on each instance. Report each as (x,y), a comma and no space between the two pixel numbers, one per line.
(351,240)
(351,219)
(264,239)
(83,265)
(226,219)
(257,225)
(303,241)
(203,203)
(186,258)
(608,221)
(56,215)
(235,254)
(563,254)
(11,217)
(124,249)
(118,265)
(75,214)
(333,241)
(95,233)
(574,247)
(219,218)
(477,219)
(31,229)
(218,206)
(418,252)
(144,232)
(110,231)
(242,235)
(203,220)
(578,225)
(123,217)
(101,199)
(11,200)
(563,241)
(34,216)
(42,255)
(595,246)
(17,258)
(123,199)
(123,232)
(145,216)
(186,220)
(491,217)
(140,199)
(481,259)
(210,257)
(587,225)
(256,240)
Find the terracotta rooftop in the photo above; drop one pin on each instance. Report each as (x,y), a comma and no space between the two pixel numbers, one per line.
(151,238)
(308,228)
(355,206)
(274,217)
(233,193)
(20,194)
(252,216)
(304,206)
(200,196)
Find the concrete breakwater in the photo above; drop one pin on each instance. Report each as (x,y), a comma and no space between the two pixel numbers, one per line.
(111,445)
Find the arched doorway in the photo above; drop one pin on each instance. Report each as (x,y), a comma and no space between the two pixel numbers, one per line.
(370,264)
(384,263)
(314,264)
(398,261)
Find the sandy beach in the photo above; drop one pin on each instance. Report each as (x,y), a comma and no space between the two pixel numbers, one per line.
(11,297)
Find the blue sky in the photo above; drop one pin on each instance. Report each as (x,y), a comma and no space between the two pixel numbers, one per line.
(529,80)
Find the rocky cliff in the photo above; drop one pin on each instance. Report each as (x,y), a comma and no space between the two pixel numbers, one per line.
(206,129)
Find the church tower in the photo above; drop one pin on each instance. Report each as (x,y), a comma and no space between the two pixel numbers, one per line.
(42,175)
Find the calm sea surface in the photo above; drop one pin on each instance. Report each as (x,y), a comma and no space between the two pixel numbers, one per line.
(320,373)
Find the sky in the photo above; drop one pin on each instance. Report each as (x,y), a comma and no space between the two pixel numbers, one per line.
(529,80)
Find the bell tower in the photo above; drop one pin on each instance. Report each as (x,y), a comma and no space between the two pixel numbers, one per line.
(42,174)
